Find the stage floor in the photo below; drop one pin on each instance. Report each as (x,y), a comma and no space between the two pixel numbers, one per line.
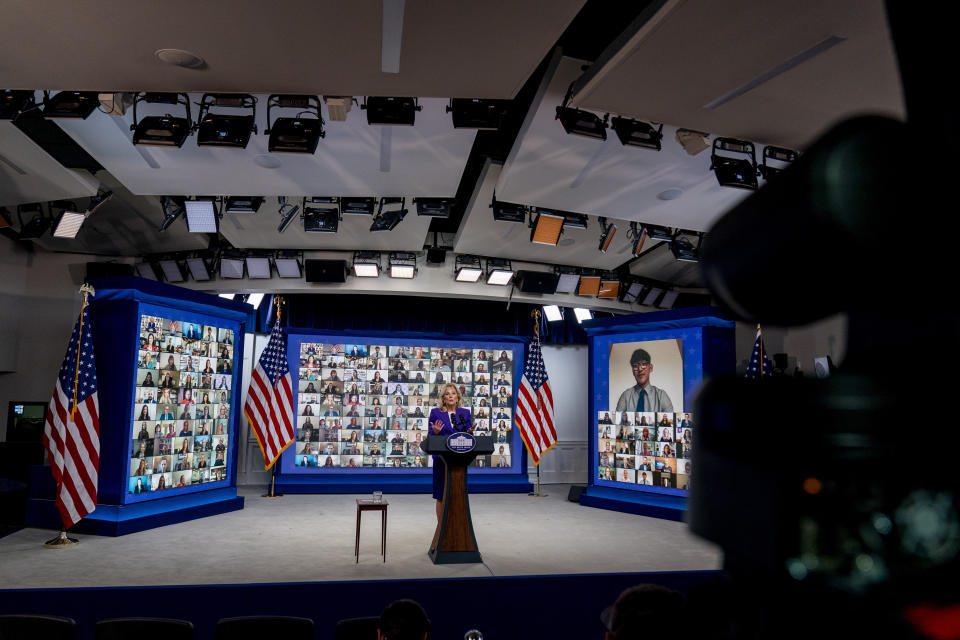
(306,538)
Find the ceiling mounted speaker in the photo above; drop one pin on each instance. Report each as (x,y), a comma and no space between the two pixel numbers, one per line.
(436,255)
(537,281)
(325,270)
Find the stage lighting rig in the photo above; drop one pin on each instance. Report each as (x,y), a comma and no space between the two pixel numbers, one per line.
(388,220)
(499,272)
(203,216)
(634,133)
(13,103)
(632,291)
(779,154)
(731,171)
(358,206)
(165,130)
(403,265)
(476,113)
(606,235)
(74,105)
(232,264)
(508,211)
(172,208)
(552,312)
(173,269)
(288,264)
(222,130)
(589,284)
(318,218)
(609,286)
(546,227)
(657,232)
(297,134)
(579,122)
(71,218)
(391,111)
(434,207)
(638,236)
(201,264)
(258,264)
(684,250)
(366,264)
(242,204)
(287,213)
(468,268)
(37,225)
(569,279)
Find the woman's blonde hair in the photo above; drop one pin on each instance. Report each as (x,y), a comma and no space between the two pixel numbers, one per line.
(449,385)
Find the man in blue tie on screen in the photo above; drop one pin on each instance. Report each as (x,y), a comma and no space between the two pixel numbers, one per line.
(643,396)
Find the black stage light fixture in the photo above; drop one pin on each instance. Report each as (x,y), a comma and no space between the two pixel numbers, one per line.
(582,123)
(37,224)
(13,103)
(165,130)
(393,111)
(174,270)
(657,232)
(258,264)
(358,206)
(634,133)
(388,220)
(638,236)
(203,215)
(320,219)
(780,154)
(149,270)
(201,264)
(76,105)
(233,264)
(330,271)
(574,220)
(540,282)
(606,236)
(221,130)
(734,172)
(434,207)
(476,113)
(684,250)
(508,211)
(631,291)
(298,134)
(288,263)
(242,204)
(172,209)
(287,213)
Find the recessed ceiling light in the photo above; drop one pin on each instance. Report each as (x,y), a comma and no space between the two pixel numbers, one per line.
(670,194)
(180,58)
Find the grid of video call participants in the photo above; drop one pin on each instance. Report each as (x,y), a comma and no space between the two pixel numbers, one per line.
(650,449)
(181,406)
(368,406)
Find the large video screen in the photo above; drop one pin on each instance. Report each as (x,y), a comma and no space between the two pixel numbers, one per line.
(644,436)
(367,405)
(182,403)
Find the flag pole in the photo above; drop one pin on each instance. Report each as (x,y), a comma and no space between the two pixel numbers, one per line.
(760,335)
(272,493)
(535,314)
(62,539)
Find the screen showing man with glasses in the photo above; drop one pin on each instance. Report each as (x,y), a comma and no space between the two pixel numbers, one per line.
(643,396)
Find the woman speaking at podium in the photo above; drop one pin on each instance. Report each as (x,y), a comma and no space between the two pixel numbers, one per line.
(447,419)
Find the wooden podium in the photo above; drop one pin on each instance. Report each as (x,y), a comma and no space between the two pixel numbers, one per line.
(454,541)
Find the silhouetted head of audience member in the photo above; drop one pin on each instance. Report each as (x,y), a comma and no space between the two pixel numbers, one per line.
(643,611)
(403,620)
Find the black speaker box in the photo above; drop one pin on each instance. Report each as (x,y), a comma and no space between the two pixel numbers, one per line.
(537,281)
(108,269)
(325,270)
(436,256)
(576,491)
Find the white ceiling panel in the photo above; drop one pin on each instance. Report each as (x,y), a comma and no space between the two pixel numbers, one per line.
(549,168)
(30,174)
(354,159)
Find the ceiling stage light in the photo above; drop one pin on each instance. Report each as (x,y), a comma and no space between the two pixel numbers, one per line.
(499,272)
(476,113)
(366,264)
(76,105)
(781,155)
(149,271)
(633,292)
(656,232)
(258,266)
(547,227)
(606,237)
(582,314)
(173,270)
(255,299)
(221,130)
(403,265)
(288,264)
(199,267)
(68,221)
(684,250)
(634,133)
(36,225)
(652,296)
(13,103)
(287,213)
(227,296)
(734,172)
(202,215)
(609,287)
(165,130)
(669,299)
(568,280)
(172,208)
(242,204)
(297,134)
(589,285)
(232,265)
(358,206)
(638,236)
(552,312)
(508,211)
(434,207)
(391,111)
(582,123)
(320,219)
(388,220)
(468,268)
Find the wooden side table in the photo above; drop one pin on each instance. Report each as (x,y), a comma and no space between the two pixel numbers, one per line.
(367,504)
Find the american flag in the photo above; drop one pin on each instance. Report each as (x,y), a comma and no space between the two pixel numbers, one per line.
(71,434)
(534,416)
(269,406)
(759,361)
